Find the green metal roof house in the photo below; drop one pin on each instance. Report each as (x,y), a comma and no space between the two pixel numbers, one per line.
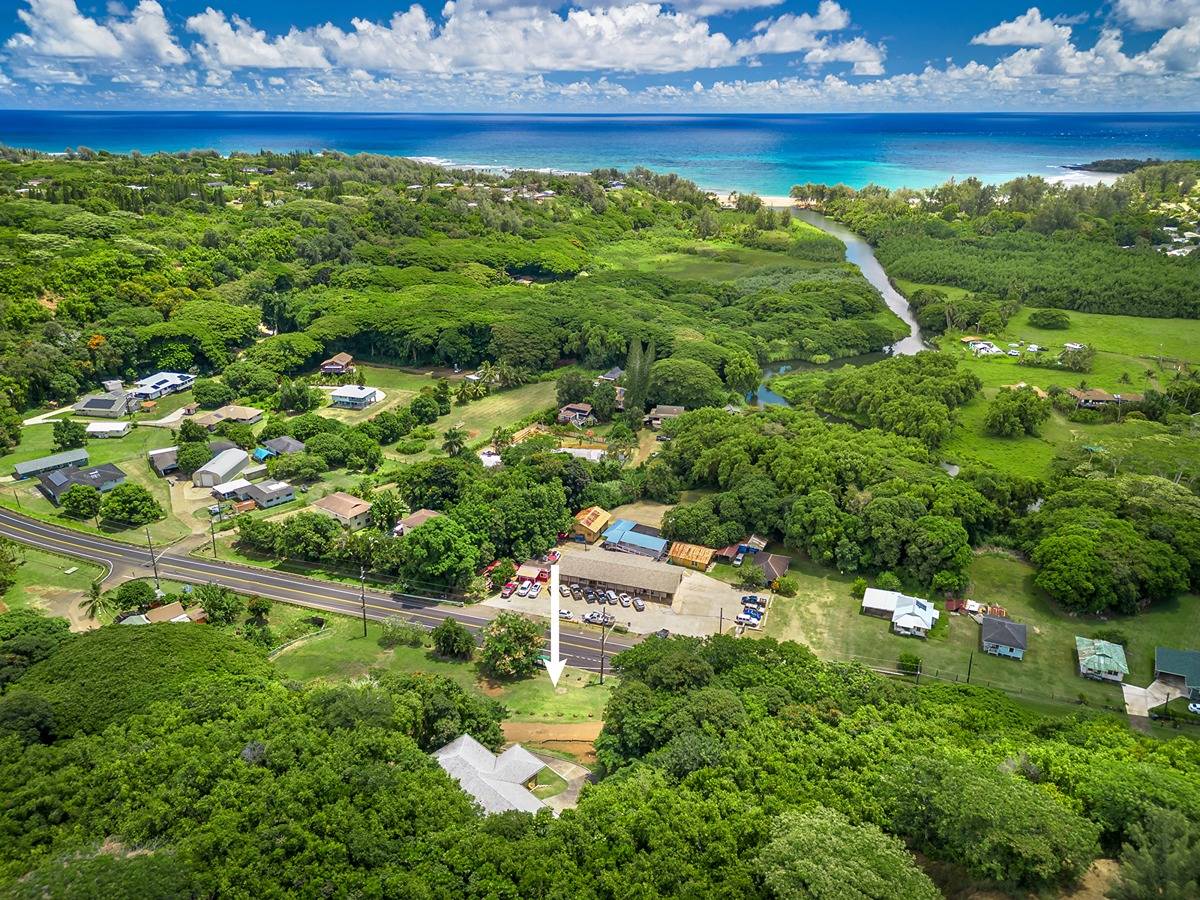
(1179,667)
(1102,660)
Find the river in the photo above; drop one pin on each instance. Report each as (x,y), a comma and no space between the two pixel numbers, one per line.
(859,253)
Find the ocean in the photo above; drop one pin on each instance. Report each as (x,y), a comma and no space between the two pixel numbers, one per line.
(763,153)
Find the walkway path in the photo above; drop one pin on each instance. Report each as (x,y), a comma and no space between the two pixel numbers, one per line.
(45,417)
(1139,701)
(575,775)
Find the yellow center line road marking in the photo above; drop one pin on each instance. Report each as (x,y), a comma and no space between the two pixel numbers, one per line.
(302,591)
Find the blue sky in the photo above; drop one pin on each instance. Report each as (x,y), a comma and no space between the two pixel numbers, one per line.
(601,55)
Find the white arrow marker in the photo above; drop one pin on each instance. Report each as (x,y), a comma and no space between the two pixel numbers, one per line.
(554,666)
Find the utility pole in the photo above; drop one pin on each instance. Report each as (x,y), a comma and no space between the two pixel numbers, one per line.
(17,497)
(362,593)
(212,532)
(721,626)
(970,662)
(153,559)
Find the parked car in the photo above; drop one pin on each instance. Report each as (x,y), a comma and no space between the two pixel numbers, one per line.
(1014,352)
(753,612)
(564,591)
(565,614)
(611,597)
(576,592)
(743,619)
(592,618)
(507,590)
(639,604)
(737,560)
(552,556)
(662,633)
(1194,708)
(535,590)
(625,599)
(523,590)
(606,619)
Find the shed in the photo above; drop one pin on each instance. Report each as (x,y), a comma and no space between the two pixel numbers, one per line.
(108,429)
(691,556)
(43,464)
(164,461)
(590,522)
(220,468)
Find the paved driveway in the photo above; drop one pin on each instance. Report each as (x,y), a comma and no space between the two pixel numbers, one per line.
(1139,701)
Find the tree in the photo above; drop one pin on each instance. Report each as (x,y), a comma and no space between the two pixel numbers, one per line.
(135,594)
(1161,859)
(452,640)
(191,457)
(636,379)
(685,382)
(221,605)
(454,440)
(512,646)
(81,501)
(858,587)
(441,551)
(424,410)
(387,508)
(191,432)
(28,717)
(751,576)
(572,387)
(96,603)
(259,608)
(818,854)
(69,434)
(1017,411)
(1049,318)
(130,504)
(211,394)
(938,543)
(603,399)
(742,373)
(297,396)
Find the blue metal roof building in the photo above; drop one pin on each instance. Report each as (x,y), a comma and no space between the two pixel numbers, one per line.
(620,535)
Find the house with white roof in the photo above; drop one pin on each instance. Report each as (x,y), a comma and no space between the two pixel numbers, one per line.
(910,616)
(354,396)
(108,429)
(497,783)
(160,384)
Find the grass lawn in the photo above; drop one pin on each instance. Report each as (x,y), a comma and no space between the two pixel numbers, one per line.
(481,417)
(713,260)
(341,653)
(549,784)
(1128,336)
(398,385)
(128,453)
(825,616)
(43,582)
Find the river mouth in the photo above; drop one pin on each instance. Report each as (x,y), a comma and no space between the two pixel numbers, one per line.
(858,252)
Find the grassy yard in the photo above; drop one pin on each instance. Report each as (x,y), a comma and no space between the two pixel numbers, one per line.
(826,617)
(399,386)
(341,653)
(712,260)
(49,582)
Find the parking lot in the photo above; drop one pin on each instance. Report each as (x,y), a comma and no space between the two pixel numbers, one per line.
(700,607)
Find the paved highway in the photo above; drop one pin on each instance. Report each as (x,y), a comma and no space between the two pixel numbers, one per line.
(580,647)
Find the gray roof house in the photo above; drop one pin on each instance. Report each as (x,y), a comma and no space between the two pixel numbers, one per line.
(220,468)
(281,446)
(1003,637)
(498,783)
(164,461)
(270,493)
(111,405)
(32,467)
(103,478)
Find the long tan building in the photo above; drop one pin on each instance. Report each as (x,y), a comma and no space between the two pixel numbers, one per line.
(608,570)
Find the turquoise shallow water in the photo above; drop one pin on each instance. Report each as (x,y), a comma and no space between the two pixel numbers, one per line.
(763,153)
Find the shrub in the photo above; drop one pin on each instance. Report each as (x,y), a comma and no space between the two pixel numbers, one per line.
(858,587)
(910,663)
(788,586)
(399,632)
(887,581)
(1049,318)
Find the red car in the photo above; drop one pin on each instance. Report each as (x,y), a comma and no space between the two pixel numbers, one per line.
(507,590)
(552,556)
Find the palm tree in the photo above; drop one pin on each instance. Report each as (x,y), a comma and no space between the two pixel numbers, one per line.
(96,602)
(463,394)
(486,372)
(454,440)
(501,438)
